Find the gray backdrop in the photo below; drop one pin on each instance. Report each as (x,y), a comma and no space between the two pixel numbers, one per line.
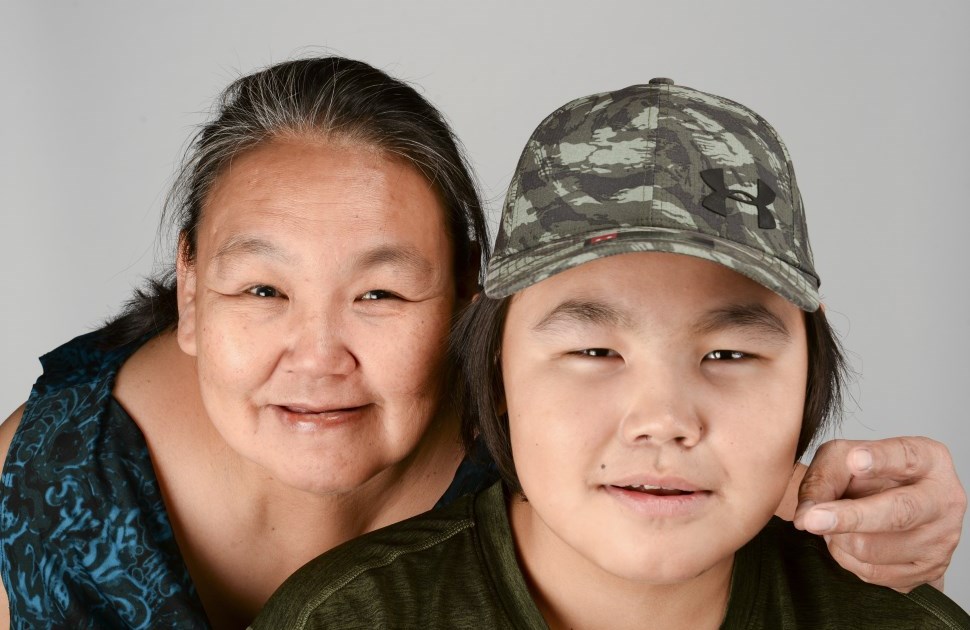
(871,97)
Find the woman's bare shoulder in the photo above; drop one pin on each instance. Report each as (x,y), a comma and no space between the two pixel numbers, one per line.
(158,383)
(7,430)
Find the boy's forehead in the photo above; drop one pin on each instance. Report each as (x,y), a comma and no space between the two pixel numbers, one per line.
(660,273)
(617,290)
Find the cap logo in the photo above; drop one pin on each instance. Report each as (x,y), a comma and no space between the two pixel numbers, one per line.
(716,202)
(601,238)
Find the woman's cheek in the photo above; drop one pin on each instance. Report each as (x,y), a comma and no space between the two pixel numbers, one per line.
(423,344)
(237,350)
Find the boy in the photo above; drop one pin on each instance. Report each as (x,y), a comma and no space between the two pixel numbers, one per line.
(650,358)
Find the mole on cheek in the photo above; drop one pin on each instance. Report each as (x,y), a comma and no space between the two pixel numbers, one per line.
(602,466)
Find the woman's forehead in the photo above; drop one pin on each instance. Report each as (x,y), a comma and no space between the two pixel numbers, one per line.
(287,190)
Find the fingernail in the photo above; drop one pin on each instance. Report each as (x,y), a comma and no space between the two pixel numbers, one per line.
(819,521)
(862,459)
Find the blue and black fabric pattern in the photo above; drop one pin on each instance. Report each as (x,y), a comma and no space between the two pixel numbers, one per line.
(86,541)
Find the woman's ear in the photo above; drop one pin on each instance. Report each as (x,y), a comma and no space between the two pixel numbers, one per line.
(185,286)
(467,281)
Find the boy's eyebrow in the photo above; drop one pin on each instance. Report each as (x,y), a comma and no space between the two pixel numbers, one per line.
(583,312)
(753,317)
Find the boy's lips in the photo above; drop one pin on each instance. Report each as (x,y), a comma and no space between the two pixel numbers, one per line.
(659,491)
(658,497)
(651,483)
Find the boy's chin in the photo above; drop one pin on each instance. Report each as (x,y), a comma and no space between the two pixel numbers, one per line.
(665,568)
(673,555)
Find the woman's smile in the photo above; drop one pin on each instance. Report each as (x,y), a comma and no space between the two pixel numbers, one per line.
(310,419)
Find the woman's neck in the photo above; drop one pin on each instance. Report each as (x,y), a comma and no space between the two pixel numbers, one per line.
(573,592)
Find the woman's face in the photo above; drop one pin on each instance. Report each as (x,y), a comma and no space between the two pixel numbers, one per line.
(654,402)
(317,308)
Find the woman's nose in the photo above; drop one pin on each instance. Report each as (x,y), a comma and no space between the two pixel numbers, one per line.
(319,347)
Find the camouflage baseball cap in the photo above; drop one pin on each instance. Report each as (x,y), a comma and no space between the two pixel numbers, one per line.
(655,168)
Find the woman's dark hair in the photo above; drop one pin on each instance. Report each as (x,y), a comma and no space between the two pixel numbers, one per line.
(328,97)
(476,343)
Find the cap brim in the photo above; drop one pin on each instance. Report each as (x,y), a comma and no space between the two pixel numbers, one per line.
(510,274)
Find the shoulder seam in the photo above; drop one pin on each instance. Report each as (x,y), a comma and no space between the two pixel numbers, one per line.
(931,607)
(353,574)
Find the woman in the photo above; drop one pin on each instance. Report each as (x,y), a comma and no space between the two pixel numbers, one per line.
(281,392)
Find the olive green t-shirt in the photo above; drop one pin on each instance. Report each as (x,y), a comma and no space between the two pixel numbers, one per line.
(456,568)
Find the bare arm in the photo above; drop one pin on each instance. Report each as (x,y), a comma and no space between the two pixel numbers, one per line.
(890,510)
(7,429)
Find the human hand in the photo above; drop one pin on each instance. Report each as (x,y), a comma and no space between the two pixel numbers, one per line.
(901,509)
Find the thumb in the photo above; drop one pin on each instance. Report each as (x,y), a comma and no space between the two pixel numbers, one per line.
(826,479)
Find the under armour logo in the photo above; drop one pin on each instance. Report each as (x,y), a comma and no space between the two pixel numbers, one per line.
(716,202)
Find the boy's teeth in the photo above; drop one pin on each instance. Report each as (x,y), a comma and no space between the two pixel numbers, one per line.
(657,490)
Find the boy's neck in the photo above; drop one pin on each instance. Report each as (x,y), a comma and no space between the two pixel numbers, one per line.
(572,592)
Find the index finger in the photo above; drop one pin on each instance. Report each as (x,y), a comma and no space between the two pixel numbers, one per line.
(902,459)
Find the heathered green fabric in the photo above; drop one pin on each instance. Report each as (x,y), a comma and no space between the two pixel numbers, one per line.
(456,568)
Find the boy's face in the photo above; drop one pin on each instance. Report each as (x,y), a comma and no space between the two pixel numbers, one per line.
(655,402)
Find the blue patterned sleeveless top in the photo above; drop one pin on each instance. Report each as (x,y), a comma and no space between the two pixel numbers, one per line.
(86,541)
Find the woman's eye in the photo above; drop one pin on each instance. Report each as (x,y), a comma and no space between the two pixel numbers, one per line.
(376,294)
(263,291)
(725,355)
(597,352)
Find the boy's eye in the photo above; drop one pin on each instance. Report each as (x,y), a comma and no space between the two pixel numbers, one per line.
(376,294)
(725,355)
(263,291)
(597,352)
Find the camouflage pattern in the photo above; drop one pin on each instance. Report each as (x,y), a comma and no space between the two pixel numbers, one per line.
(621,172)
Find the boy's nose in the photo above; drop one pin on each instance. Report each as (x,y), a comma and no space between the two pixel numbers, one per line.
(661,410)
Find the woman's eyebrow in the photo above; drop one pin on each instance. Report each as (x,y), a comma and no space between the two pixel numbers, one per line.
(753,318)
(583,312)
(248,245)
(394,255)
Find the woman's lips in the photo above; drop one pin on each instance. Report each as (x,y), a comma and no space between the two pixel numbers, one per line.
(309,418)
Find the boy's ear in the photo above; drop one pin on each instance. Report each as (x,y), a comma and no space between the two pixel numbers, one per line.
(185,287)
